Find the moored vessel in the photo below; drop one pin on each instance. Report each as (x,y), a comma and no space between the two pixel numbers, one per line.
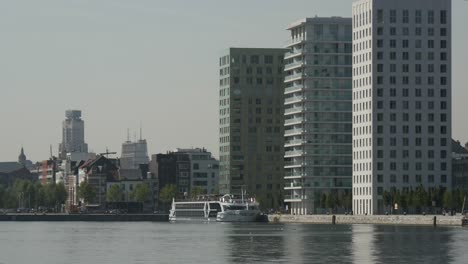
(226,208)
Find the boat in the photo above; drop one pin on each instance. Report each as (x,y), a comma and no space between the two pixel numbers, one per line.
(225,208)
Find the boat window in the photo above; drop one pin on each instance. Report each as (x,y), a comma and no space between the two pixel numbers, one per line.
(215,206)
(235,207)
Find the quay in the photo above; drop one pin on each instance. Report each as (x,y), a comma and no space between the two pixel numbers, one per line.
(85,217)
(423,220)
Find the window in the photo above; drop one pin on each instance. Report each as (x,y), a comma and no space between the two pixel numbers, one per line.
(392,31)
(196,166)
(443,16)
(380,16)
(405,178)
(430,17)
(418,178)
(392,16)
(418,31)
(393,178)
(430,178)
(380,178)
(443,32)
(254,59)
(405,16)
(418,17)
(380,31)
(268,59)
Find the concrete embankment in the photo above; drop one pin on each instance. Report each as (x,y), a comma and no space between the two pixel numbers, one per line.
(87,217)
(427,220)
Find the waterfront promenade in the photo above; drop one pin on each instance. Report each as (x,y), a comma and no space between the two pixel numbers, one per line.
(86,217)
(424,220)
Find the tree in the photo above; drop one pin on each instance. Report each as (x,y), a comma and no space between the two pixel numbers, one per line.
(196,191)
(86,192)
(448,200)
(168,193)
(114,193)
(61,193)
(141,193)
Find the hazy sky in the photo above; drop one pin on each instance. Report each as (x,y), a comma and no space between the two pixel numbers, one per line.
(126,61)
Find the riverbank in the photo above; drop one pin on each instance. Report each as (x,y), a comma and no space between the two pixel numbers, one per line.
(425,220)
(86,217)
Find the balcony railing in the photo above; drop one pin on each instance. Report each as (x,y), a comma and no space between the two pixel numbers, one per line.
(294,131)
(293,99)
(294,76)
(293,120)
(292,65)
(293,88)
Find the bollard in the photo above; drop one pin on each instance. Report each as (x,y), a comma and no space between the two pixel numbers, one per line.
(434,221)
(333,219)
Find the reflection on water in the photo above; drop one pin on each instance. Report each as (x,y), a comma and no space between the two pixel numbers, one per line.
(228,243)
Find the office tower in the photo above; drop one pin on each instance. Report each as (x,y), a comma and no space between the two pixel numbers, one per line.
(134,154)
(251,123)
(318,111)
(73,134)
(401,99)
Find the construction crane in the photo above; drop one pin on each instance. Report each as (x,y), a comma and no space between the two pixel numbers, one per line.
(107,153)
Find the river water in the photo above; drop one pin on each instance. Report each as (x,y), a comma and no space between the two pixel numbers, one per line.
(137,242)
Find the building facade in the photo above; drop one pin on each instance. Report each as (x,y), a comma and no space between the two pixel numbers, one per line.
(174,168)
(204,169)
(133,155)
(401,98)
(318,111)
(251,123)
(72,134)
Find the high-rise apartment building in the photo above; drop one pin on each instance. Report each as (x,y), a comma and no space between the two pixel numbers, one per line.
(318,111)
(72,134)
(251,123)
(401,98)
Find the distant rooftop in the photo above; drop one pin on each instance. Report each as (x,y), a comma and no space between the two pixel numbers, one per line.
(7,167)
(316,19)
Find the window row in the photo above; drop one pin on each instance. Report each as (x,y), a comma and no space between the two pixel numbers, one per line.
(394,16)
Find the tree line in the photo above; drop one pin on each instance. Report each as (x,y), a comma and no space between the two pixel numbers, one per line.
(420,199)
(28,194)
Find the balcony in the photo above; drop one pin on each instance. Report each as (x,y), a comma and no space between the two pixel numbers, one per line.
(295,41)
(294,121)
(293,65)
(294,153)
(293,77)
(291,132)
(294,142)
(295,88)
(294,110)
(294,99)
(293,53)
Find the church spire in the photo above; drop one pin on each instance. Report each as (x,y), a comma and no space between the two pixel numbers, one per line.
(22,157)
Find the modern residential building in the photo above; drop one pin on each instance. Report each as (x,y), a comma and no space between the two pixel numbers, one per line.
(133,155)
(204,169)
(251,121)
(401,98)
(173,168)
(73,134)
(318,111)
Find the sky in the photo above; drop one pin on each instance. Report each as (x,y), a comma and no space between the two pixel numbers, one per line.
(145,61)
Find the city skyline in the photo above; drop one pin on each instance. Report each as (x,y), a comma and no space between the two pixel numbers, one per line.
(109,60)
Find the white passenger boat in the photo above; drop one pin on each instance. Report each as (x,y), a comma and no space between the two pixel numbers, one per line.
(227,208)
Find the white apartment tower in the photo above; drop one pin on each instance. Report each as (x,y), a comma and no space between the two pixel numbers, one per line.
(401,98)
(318,114)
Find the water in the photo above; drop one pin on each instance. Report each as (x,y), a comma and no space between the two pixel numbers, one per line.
(118,243)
